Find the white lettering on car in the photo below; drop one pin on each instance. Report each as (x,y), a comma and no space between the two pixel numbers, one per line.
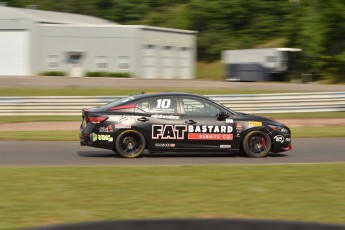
(279,138)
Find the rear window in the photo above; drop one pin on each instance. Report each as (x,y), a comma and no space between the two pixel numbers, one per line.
(158,105)
(118,102)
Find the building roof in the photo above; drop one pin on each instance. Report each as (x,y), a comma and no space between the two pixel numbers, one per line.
(50,17)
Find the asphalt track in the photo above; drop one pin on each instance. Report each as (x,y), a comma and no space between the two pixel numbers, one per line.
(38,153)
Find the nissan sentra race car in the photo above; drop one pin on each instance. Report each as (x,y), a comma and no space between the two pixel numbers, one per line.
(179,122)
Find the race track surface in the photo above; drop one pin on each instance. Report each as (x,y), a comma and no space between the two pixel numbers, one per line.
(35,153)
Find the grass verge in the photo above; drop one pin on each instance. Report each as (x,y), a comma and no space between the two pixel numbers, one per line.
(316,132)
(45,196)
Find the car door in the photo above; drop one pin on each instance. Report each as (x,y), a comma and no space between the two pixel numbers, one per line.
(161,121)
(206,130)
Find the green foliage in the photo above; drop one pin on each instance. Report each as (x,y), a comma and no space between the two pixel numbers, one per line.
(314,26)
(53,73)
(109,74)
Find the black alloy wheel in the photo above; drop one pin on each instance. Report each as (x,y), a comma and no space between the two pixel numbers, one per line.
(256,144)
(130,144)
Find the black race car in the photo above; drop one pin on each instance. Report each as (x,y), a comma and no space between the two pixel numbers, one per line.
(179,122)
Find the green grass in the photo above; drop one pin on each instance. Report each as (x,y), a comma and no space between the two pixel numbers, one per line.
(75,91)
(210,71)
(329,131)
(44,196)
(304,115)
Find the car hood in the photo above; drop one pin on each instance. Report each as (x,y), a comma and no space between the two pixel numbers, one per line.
(249,117)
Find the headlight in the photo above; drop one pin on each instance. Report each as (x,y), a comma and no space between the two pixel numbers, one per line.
(279,129)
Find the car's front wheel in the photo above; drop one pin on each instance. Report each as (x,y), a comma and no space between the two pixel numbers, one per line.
(256,144)
(130,144)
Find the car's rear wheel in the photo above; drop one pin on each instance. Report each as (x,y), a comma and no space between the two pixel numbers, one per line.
(130,144)
(256,144)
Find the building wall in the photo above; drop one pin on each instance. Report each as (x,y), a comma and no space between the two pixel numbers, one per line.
(14,57)
(106,49)
(167,54)
(143,51)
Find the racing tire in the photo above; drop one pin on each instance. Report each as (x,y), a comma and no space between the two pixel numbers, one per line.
(256,144)
(130,144)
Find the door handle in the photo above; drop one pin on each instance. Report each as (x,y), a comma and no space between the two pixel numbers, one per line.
(190,122)
(143,119)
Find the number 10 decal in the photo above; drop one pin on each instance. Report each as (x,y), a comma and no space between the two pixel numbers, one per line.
(163,103)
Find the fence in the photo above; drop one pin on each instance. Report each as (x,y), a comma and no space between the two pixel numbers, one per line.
(252,103)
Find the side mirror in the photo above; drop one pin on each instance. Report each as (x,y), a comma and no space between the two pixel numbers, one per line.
(222,115)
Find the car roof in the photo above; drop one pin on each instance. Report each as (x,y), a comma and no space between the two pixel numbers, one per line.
(148,95)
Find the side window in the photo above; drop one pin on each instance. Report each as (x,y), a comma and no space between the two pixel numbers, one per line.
(199,108)
(163,105)
(143,106)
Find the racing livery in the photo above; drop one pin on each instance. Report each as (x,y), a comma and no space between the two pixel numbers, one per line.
(179,122)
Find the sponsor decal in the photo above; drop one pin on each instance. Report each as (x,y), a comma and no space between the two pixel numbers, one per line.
(205,132)
(123,126)
(239,125)
(161,116)
(102,137)
(124,120)
(225,146)
(287,139)
(165,145)
(93,137)
(164,105)
(229,120)
(168,131)
(209,129)
(279,138)
(107,129)
(209,136)
(283,130)
(255,123)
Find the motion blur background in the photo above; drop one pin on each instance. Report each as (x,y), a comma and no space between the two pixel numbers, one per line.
(51,66)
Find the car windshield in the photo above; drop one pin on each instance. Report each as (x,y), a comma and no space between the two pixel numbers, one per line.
(216,102)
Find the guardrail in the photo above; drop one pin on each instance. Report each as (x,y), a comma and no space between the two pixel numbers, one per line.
(252,103)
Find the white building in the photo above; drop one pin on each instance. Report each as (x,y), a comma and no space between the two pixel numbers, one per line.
(259,64)
(35,41)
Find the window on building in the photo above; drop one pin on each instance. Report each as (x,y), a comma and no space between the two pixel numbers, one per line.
(52,61)
(74,57)
(149,46)
(101,62)
(123,63)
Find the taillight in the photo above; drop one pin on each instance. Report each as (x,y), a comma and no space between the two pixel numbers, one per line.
(96,120)
(130,106)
